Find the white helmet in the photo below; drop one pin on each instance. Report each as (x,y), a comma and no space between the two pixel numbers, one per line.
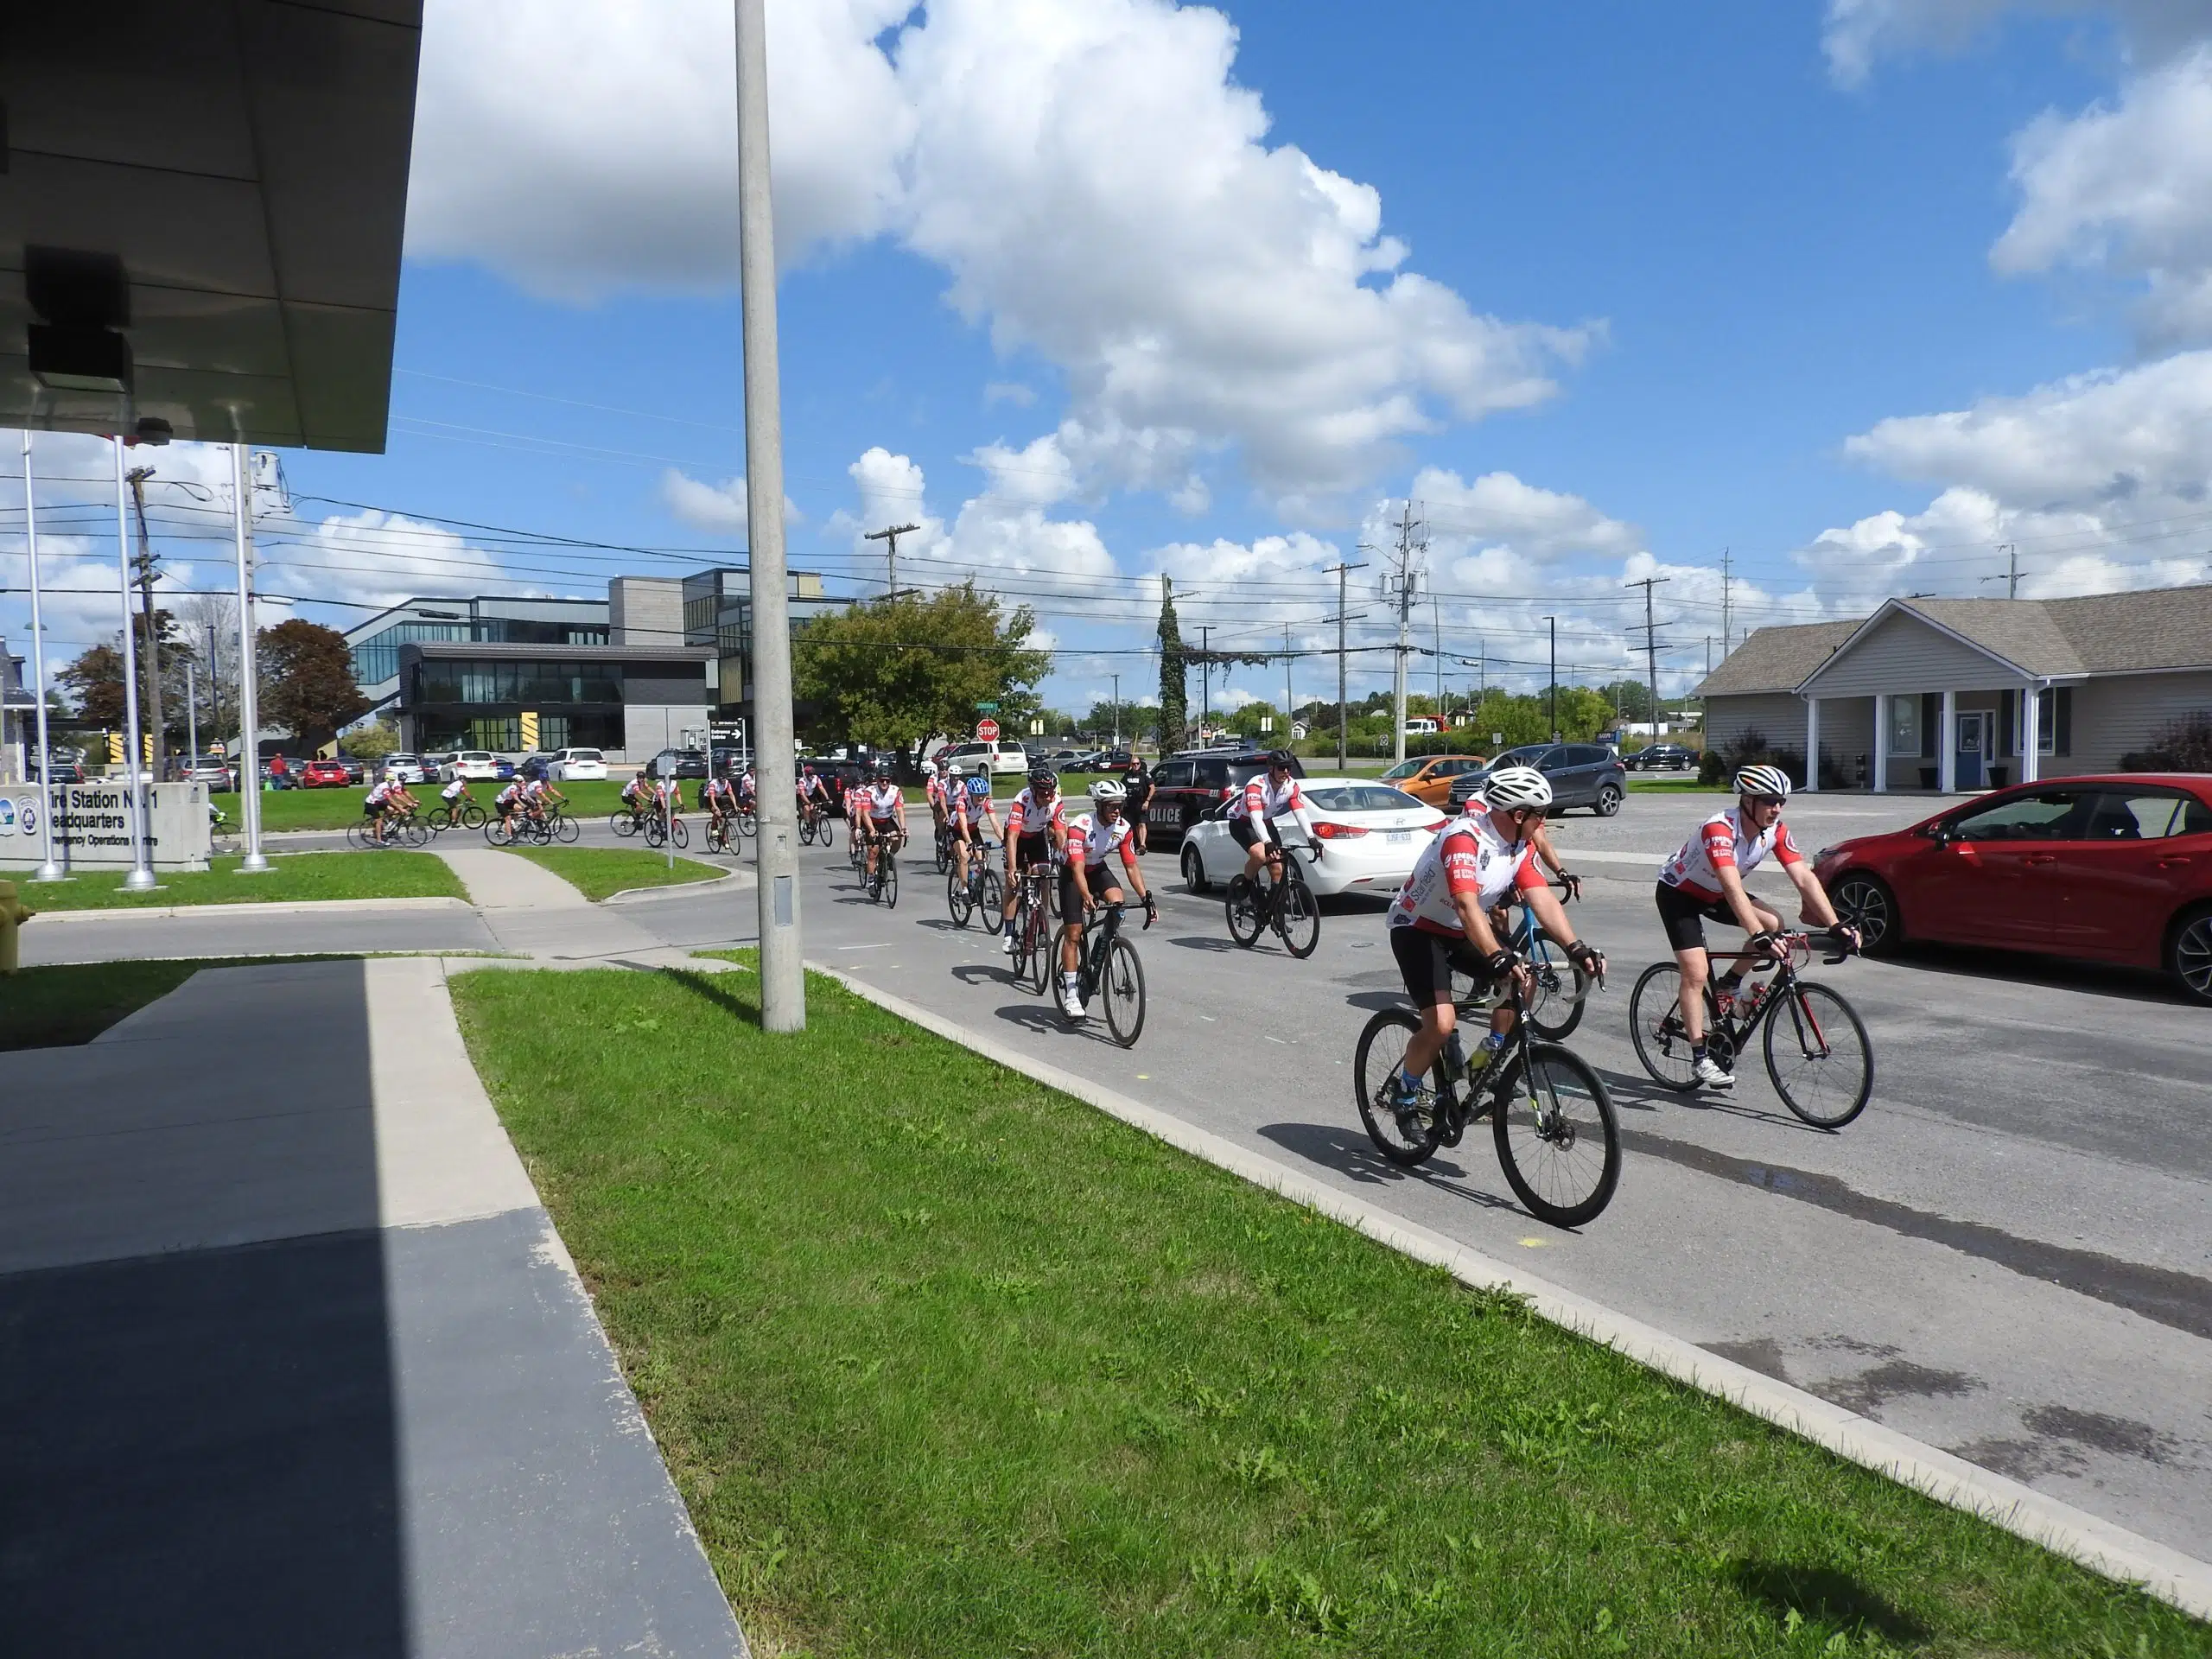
(1764,780)
(1106,789)
(929,768)
(1517,786)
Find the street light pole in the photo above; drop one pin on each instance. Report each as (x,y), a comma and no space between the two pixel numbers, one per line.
(141,879)
(254,862)
(1554,686)
(1117,711)
(782,968)
(47,870)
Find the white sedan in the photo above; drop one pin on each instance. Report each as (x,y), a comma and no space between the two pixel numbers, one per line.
(1369,834)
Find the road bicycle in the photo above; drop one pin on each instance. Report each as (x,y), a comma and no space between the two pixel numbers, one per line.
(467,816)
(1817,1047)
(1550,1116)
(882,882)
(815,824)
(980,895)
(1556,1000)
(748,820)
(1109,963)
(717,832)
(857,850)
(408,831)
(1033,934)
(659,831)
(1286,904)
(944,841)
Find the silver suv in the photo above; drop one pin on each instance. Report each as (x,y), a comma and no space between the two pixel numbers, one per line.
(1581,774)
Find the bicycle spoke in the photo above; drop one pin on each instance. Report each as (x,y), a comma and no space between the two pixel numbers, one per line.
(1556,1139)
(1818,1055)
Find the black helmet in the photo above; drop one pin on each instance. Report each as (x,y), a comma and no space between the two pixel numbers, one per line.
(883,770)
(1043,774)
(1279,761)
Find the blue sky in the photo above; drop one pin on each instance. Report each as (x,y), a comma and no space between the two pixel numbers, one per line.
(1861,292)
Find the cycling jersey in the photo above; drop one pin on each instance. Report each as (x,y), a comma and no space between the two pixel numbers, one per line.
(633,790)
(933,790)
(720,791)
(452,791)
(883,802)
(970,809)
(1468,855)
(1099,840)
(534,790)
(378,796)
(509,796)
(1725,842)
(1264,798)
(1028,815)
(745,786)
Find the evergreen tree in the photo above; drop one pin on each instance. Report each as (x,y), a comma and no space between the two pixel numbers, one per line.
(1174,694)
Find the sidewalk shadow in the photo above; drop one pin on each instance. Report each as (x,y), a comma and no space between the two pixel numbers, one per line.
(1821,1595)
(704,987)
(1351,1153)
(1048,1019)
(1633,1091)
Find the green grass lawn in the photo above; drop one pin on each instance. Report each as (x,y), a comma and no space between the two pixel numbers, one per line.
(944,1363)
(596,871)
(1644,785)
(292,878)
(51,1008)
(334,809)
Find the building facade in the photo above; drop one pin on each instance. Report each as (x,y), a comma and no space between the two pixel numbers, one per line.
(376,643)
(1962,694)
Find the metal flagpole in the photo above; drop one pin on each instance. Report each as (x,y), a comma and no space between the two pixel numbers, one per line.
(47,870)
(782,968)
(249,693)
(141,879)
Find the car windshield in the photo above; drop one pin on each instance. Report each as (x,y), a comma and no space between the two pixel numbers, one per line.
(1403,769)
(1362,798)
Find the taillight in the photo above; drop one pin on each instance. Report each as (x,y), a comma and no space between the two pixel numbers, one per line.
(1328,832)
(1227,793)
(1438,825)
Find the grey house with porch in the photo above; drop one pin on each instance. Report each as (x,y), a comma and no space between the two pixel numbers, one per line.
(1960,694)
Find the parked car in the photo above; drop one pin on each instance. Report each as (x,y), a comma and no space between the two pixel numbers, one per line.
(678,763)
(356,772)
(211,770)
(1662,757)
(1369,834)
(1428,778)
(1093,760)
(1002,757)
(410,768)
(2115,868)
(1187,785)
(580,766)
(1581,774)
(475,764)
(64,772)
(437,768)
(325,774)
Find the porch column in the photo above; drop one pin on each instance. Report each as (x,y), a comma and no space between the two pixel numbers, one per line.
(2031,735)
(1947,745)
(1879,783)
(1812,745)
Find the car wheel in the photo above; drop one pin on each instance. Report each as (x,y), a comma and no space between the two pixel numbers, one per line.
(1194,869)
(1609,800)
(2188,954)
(1865,902)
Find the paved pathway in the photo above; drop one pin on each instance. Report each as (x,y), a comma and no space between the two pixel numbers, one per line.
(291,1359)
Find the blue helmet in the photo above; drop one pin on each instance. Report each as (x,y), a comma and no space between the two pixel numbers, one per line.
(979,786)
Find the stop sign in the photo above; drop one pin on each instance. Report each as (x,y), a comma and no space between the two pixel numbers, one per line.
(987,731)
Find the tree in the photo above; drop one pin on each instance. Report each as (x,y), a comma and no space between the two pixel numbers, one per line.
(1582,713)
(373,742)
(1174,688)
(307,680)
(1245,723)
(95,682)
(902,669)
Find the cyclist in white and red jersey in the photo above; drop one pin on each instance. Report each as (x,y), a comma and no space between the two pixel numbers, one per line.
(1704,882)
(506,801)
(376,803)
(1268,795)
(933,793)
(1439,920)
(1036,830)
(1089,878)
(971,810)
(883,821)
(719,797)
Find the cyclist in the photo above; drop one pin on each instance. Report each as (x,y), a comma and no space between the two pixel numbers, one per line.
(454,794)
(1704,882)
(637,795)
(506,803)
(377,804)
(971,809)
(933,791)
(1251,816)
(885,819)
(1088,879)
(1137,784)
(1439,920)
(748,788)
(1036,833)
(813,793)
(669,793)
(720,798)
(537,792)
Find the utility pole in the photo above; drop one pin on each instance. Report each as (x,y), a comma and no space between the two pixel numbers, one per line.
(1206,682)
(1341,571)
(1727,590)
(1436,617)
(143,569)
(1650,645)
(2011,577)
(255,862)
(783,966)
(890,536)
(1289,707)
(215,694)
(1404,581)
(47,870)
(1554,687)
(141,879)
(1117,711)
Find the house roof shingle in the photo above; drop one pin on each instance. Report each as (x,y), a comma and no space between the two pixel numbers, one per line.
(1777,658)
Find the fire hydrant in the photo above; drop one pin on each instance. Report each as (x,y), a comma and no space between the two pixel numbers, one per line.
(13,915)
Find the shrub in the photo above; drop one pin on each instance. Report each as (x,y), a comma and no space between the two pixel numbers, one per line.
(1749,747)
(2182,745)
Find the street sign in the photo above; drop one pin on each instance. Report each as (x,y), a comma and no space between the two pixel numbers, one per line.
(1497,738)
(1036,729)
(987,708)
(1266,722)
(987,731)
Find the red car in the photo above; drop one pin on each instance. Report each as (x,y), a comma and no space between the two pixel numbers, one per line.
(325,774)
(2114,868)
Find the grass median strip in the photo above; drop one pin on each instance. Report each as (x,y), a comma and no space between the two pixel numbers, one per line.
(292,878)
(600,872)
(943,1361)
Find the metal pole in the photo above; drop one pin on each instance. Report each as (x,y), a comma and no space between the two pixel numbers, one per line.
(47,870)
(782,968)
(190,715)
(1205,681)
(1117,711)
(1289,703)
(1554,686)
(254,863)
(141,879)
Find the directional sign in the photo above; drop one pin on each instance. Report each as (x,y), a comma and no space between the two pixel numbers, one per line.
(987,731)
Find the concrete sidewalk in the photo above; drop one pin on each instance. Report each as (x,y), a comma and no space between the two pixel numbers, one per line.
(534,912)
(291,1359)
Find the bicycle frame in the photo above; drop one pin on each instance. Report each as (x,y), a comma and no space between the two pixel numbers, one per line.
(1738,1027)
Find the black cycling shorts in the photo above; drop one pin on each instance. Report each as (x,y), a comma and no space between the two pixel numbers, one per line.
(1684,916)
(1427,962)
(1247,835)
(1100,882)
(1031,849)
(371,809)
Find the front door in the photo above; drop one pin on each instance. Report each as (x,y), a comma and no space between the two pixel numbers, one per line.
(1972,749)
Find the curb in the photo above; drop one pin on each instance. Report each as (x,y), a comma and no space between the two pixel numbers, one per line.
(715,881)
(2097,1544)
(298,906)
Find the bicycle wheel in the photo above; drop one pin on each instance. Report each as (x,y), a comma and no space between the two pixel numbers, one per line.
(1297,919)
(1655,1021)
(655,833)
(887,883)
(566,829)
(1555,1005)
(681,836)
(1557,1140)
(1042,956)
(1823,1067)
(992,902)
(1123,985)
(1244,907)
(1405,1138)
(418,834)
(1018,958)
(748,821)
(827,830)
(473,816)
(622,823)
(495,833)
(441,820)
(958,900)
(805,829)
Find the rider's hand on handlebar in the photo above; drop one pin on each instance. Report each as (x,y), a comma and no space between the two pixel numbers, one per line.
(1571,883)
(1766,946)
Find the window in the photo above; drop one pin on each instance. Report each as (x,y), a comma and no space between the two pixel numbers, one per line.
(1904,727)
(2050,814)
(1362,798)
(1174,774)
(2146,814)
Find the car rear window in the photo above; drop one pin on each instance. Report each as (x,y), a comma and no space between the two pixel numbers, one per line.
(586,755)
(1362,797)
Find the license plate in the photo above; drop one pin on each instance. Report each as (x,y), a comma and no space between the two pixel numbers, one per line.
(1400,834)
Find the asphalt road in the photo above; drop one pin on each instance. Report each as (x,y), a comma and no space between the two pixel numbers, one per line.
(2009,1255)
